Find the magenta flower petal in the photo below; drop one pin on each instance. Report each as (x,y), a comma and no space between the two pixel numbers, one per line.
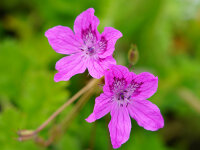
(101,108)
(147,85)
(69,66)
(86,20)
(116,71)
(119,71)
(119,126)
(97,68)
(126,93)
(63,40)
(146,114)
(107,41)
(94,49)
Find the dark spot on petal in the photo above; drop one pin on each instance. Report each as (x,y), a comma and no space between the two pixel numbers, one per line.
(102,45)
(89,35)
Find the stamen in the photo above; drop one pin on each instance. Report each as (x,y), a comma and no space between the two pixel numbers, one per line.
(91,50)
(121,95)
(124,92)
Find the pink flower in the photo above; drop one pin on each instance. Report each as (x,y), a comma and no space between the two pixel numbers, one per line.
(125,94)
(86,47)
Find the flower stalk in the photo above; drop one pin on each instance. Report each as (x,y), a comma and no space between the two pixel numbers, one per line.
(29,134)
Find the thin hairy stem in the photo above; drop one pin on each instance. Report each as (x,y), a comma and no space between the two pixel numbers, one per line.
(24,135)
(58,130)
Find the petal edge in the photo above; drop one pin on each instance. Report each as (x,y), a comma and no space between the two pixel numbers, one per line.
(63,40)
(146,114)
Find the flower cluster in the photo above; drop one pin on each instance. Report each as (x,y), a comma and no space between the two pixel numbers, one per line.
(124,94)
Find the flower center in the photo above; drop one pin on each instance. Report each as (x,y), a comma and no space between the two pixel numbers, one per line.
(121,96)
(88,50)
(123,91)
(91,50)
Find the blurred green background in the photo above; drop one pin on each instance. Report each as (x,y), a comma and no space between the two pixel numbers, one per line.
(167,33)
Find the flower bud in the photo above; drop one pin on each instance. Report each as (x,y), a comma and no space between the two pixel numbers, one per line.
(133,54)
